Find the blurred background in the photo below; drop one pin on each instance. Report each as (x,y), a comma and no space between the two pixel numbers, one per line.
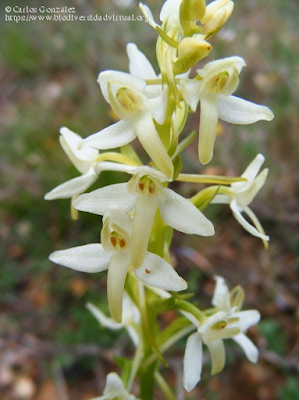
(50,345)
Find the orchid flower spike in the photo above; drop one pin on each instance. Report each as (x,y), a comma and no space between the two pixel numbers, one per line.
(228,322)
(115,389)
(127,95)
(86,161)
(217,81)
(145,194)
(130,318)
(241,194)
(114,254)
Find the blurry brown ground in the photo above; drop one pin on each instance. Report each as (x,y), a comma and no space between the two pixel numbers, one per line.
(50,347)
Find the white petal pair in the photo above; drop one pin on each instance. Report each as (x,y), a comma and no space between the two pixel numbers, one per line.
(138,106)
(115,256)
(241,195)
(175,210)
(219,79)
(225,323)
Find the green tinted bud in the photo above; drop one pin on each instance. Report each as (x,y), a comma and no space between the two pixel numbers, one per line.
(190,12)
(190,51)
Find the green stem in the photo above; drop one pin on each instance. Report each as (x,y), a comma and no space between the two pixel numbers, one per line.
(166,345)
(164,386)
(218,180)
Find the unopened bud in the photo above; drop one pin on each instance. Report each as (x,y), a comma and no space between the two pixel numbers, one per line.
(190,12)
(190,51)
(217,14)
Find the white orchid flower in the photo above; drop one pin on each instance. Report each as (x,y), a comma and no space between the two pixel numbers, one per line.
(228,322)
(241,194)
(115,389)
(127,95)
(114,254)
(218,80)
(145,194)
(130,318)
(85,160)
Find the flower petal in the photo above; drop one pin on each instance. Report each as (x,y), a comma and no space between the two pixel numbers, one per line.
(191,92)
(248,347)
(139,65)
(148,15)
(247,319)
(120,77)
(171,8)
(102,318)
(253,168)
(256,223)
(73,187)
(99,200)
(246,225)
(158,273)
(113,136)
(217,352)
(117,272)
(114,387)
(145,211)
(158,104)
(221,298)
(73,140)
(207,127)
(151,142)
(87,258)
(239,111)
(192,361)
(183,216)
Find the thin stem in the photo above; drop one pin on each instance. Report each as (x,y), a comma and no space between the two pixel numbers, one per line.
(219,180)
(164,386)
(171,341)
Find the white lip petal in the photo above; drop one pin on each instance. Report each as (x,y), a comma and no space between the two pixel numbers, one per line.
(117,272)
(192,361)
(239,111)
(242,221)
(256,223)
(145,211)
(151,142)
(248,347)
(139,65)
(73,187)
(99,200)
(113,136)
(158,273)
(102,318)
(89,258)
(217,352)
(183,216)
(207,127)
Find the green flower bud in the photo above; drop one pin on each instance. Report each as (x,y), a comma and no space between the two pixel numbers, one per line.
(190,51)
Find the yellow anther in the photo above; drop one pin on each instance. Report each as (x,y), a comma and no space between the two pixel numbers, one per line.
(219,325)
(128,100)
